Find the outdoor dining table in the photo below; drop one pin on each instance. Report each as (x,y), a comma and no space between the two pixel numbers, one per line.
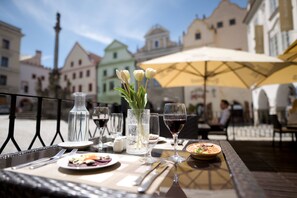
(224,176)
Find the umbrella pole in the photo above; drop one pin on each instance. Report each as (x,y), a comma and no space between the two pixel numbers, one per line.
(204,91)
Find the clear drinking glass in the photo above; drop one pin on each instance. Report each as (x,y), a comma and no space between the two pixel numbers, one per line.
(100,116)
(175,117)
(115,124)
(154,134)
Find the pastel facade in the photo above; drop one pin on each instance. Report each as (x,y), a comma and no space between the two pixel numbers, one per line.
(10,38)
(80,70)
(32,72)
(272,27)
(224,28)
(116,56)
(157,44)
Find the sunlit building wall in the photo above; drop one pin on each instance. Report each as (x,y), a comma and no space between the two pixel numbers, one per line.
(79,72)
(32,72)
(224,28)
(10,38)
(272,27)
(157,44)
(116,56)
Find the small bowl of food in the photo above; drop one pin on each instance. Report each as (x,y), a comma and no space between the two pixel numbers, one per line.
(204,151)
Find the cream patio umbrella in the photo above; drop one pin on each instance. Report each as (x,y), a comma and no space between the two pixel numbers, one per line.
(212,66)
(287,74)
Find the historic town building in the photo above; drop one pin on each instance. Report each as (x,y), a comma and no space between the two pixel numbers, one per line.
(224,28)
(272,27)
(33,78)
(116,56)
(157,44)
(10,38)
(79,72)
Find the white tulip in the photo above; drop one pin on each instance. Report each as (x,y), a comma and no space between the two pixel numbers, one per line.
(139,75)
(150,73)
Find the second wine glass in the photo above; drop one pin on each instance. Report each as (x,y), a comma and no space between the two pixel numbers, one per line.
(100,116)
(175,117)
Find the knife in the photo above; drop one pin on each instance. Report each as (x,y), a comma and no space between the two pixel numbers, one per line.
(61,152)
(53,160)
(141,177)
(146,184)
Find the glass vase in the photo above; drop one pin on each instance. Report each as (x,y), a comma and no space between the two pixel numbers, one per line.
(137,131)
(78,119)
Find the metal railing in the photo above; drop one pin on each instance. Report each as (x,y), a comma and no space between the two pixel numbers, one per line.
(12,117)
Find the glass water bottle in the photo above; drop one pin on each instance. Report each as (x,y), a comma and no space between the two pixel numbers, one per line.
(78,119)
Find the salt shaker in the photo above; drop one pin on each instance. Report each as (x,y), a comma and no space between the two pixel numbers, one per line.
(118,145)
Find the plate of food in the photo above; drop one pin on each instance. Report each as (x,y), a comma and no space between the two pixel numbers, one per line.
(72,145)
(87,161)
(204,151)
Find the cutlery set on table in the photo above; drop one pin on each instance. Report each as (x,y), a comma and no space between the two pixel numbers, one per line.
(45,161)
(145,180)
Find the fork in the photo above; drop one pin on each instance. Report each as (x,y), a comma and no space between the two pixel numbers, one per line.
(53,160)
(60,153)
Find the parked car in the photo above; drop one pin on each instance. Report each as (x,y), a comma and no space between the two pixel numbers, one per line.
(4,109)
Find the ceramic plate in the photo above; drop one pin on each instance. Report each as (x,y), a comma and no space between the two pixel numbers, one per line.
(63,163)
(77,145)
(216,149)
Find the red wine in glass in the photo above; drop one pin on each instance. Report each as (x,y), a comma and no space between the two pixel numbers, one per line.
(175,116)
(101,122)
(175,125)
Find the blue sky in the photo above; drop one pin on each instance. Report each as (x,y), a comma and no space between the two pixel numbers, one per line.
(95,23)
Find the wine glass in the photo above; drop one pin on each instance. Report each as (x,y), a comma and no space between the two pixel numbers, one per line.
(154,133)
(175,116)
(100,116)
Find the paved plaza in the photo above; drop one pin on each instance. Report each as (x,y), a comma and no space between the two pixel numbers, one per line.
(25,129)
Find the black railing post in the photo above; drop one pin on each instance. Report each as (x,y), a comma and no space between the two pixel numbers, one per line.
(38,120)
(59,110)
(11,124)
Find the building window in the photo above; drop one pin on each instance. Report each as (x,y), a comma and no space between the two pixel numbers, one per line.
(80,88)
(88,73)
(105,73)
(156,44)
(4,61)
(79,62)
(90,87)
(72,63)
(80,74)
(65,77)
(3,80)
(220,24)
(33,76)
(104,88)
(198,36)
(5,43)
(232,22)
(73,89)
(115,55)
(26,88)
(111,85)
(274,46)
(74,76)
(42,77)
